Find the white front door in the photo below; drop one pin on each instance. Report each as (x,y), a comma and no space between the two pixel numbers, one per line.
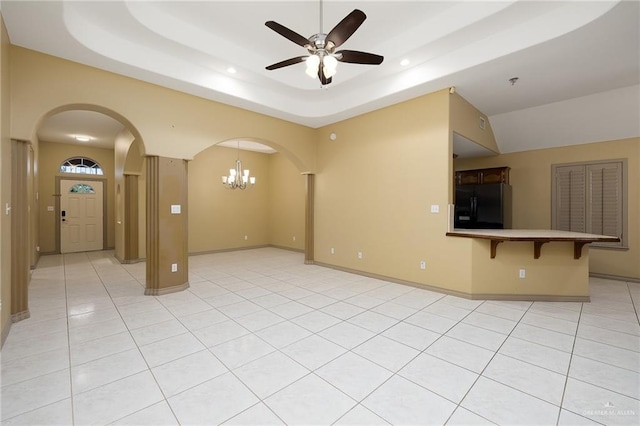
(80,216)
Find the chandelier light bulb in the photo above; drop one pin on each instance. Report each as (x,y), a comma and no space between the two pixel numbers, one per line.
(238,178)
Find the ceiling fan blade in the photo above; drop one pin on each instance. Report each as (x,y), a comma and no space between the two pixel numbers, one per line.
(287,33)
(345,28)
(287,62)
(323,79)
(355,57)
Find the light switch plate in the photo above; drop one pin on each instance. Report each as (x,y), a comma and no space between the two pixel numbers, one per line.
(175,208)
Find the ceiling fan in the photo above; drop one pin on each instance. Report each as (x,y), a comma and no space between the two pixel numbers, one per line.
(323,57)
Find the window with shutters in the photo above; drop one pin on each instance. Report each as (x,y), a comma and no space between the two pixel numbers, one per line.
(590,197)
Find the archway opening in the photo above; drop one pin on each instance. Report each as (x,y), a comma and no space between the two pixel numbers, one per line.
(109,139)
(270,213)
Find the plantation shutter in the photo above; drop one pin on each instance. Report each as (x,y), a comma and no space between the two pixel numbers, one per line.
(589,198)
(604,199)
(570,211)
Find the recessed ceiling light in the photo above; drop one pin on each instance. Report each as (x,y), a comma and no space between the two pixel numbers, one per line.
(231,70)
(405,62)
(82,138)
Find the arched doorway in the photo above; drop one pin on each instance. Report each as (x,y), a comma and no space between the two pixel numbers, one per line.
(98,133)
(64,133)
(273,212)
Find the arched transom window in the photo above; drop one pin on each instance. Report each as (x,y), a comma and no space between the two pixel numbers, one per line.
(81,165)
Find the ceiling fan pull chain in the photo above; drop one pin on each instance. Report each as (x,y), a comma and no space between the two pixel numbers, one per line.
(321,12)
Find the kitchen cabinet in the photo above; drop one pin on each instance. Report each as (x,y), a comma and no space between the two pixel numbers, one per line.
(483,176)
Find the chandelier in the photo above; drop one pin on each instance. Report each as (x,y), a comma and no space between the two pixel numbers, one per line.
(238,178)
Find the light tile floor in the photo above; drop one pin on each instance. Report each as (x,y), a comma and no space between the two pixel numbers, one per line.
(260,338)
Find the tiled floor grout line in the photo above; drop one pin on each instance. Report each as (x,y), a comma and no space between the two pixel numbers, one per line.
(382,297)
(51,372)
(279,350)
(567,376)
(395,373)
(459,404)
(294,342)
(229,370)
(635,308)
(139,352)
(66,305)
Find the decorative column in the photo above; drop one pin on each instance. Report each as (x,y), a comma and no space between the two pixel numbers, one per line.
(19,231)
(308,220)
(131,242)
(167,258)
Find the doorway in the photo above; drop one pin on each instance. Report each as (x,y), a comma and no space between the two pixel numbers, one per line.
(81,215)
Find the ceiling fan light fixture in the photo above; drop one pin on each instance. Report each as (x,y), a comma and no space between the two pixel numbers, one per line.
(330,65)
(321,47)
(313,62)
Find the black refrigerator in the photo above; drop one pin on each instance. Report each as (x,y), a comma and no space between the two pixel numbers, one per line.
(483,206)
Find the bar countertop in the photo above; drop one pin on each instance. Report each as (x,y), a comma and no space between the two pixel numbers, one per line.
(537,236)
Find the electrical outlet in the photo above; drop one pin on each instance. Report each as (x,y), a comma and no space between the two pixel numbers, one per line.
(423,264)
(435,208)
(359,255)
(174,267)
(246,237)
(522,273)
(294,238)
(333,251)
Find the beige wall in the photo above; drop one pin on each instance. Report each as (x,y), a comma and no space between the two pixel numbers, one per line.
(270,213)
(51,155)
(5,185)
(169,123)
(531,181)
(465,120)
(287,189)
(556,274)
(220,218)
(374,188)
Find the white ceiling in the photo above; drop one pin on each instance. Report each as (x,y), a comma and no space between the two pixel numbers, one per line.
(64,127)
(561,51)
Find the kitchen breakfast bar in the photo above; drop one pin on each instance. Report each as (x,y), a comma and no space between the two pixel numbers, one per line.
(520,269)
